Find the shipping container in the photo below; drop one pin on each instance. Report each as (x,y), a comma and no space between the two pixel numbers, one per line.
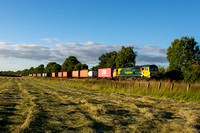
(60,74)
(67,74)
(34,75)
(39,75)
(92,74)
(83,73)
(105,72)
(30,75)
(54,74)
(75,73)
(44,74)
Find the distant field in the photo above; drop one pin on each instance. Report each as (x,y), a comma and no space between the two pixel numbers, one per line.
(30,105)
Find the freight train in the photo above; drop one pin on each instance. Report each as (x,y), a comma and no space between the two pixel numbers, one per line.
(137,72)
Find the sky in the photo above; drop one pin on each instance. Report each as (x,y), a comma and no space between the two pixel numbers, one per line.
(34,32)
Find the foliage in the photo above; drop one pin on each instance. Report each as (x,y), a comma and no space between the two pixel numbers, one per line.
(80,66)
(161,71)
(108,60)
(52,67)
(56,68)
(40,69)
(184,56)
(126,57)
(49,66)
(70,63)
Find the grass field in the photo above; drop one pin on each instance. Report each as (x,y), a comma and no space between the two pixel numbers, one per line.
(31,105)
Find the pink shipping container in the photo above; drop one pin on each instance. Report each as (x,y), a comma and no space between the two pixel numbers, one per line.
(105,72)
(67,74)
(60,74)
(34,75)
(75,73)
(83,73)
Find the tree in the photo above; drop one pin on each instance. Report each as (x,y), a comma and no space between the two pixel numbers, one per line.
(40,69)
(56,68)
(25,72)
(80,66)
(51,68)
(31,70)
(70,63)
(126,57)
(108,60)
(184,56)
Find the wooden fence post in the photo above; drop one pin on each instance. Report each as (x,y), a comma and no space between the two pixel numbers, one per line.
(148,85)
(159,86)
(138,85)
(188,87)
(172,86)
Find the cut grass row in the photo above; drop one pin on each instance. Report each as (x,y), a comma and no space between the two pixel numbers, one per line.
(165,89)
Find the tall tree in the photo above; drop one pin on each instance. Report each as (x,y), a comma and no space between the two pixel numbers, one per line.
(108,60)
(126,57)
(49,68)
(56,68)
(184,56)
(31,70)
(70,63)
(40,69)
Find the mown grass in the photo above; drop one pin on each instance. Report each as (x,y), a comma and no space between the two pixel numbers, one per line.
(56,105)
(165,89)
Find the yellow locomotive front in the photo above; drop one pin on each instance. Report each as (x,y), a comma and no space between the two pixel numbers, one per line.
(149,71)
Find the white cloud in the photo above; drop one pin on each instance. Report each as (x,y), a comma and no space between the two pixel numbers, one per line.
(49,39)
(87,52)
(5,43)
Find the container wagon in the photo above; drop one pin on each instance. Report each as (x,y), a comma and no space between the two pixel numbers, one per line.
(39,75)
(75,74)
(60,74)
(67,74)
(105,73)
(54,75)
(44,74)
(92,74)
(83,73)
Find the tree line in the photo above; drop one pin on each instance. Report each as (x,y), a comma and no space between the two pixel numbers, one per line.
(183,56)
(125,57)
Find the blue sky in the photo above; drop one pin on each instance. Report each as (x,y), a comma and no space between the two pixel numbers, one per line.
(34,32)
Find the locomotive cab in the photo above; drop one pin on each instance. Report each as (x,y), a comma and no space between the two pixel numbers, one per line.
(150,71)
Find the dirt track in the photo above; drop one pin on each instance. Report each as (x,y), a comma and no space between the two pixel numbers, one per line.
(27,105)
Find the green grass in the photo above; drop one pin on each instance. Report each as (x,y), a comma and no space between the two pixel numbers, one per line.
(179,90)
(56,105)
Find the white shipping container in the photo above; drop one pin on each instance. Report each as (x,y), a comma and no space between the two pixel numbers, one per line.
(92,74)
(44,74)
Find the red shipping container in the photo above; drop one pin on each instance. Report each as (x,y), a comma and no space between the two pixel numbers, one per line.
(67,74)
(75,73)
(84,73)
(60,75)
(105,72)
